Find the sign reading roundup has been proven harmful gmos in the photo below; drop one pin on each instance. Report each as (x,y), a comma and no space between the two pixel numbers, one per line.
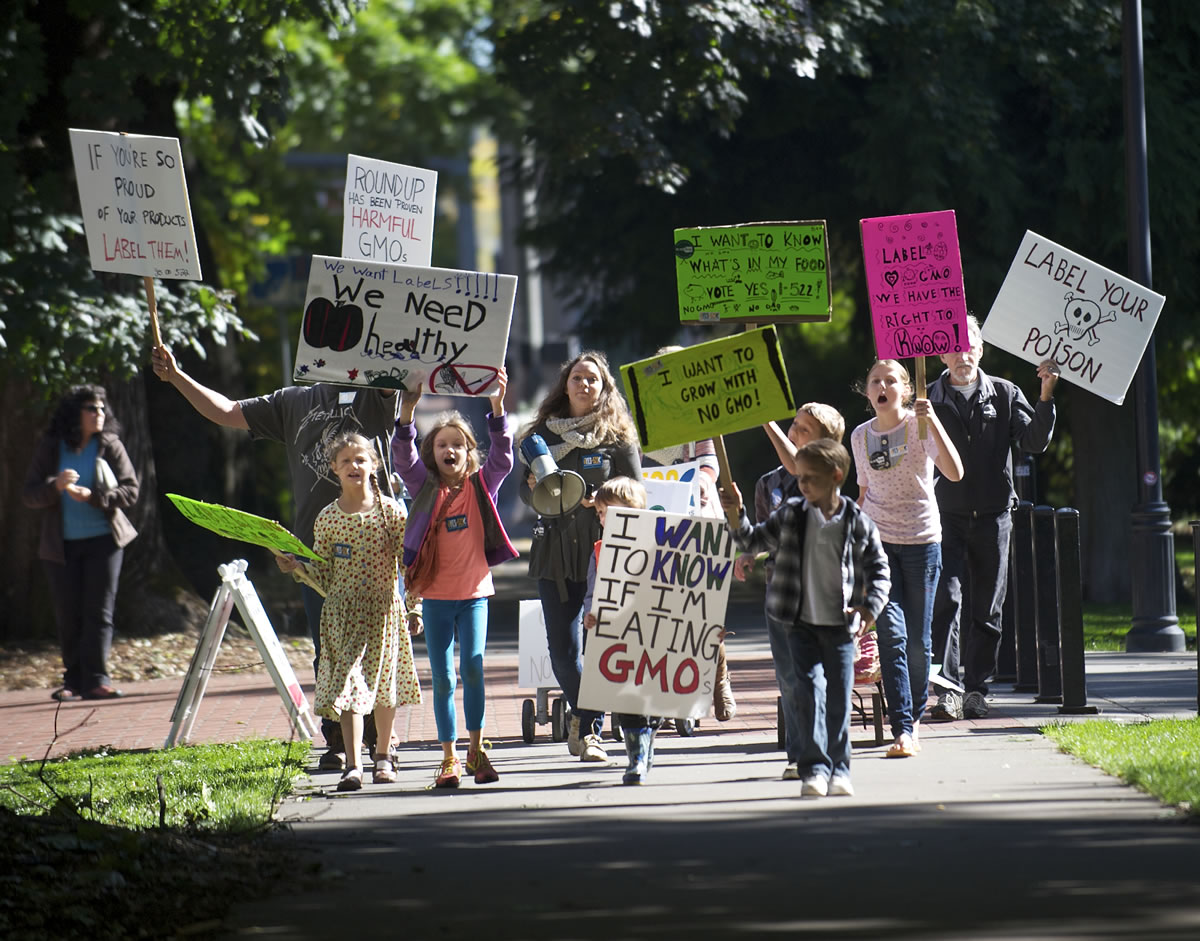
(769,272)
(915,284)
(135,204)
(1094,323)
(709,389)
(373,324)
(388,212)
(662,587)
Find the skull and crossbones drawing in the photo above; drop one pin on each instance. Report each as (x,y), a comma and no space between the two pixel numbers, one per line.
(1082,317)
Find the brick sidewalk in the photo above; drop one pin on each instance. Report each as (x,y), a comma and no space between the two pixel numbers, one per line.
(242,706)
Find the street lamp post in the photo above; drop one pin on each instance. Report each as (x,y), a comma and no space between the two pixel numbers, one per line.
(1155,625)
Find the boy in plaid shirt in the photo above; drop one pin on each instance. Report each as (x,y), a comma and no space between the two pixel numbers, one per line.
(831,581)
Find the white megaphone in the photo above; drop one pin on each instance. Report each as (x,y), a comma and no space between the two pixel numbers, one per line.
(556,491)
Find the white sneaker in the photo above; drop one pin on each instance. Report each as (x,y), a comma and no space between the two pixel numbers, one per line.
(592,749)
(574,744)
(840,786)
(814,785)
(791,772)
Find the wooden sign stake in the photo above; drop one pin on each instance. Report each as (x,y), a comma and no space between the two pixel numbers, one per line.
(155,335)
(921,423)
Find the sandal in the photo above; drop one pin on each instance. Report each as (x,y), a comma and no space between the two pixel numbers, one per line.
(104,692)
(351,780)
(384,773)
(66,695)
(903,747)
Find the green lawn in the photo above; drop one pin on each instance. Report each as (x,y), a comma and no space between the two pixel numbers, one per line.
(1161,757)
(1105,625)
(89,848)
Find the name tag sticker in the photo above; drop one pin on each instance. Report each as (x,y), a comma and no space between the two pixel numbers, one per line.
(346,398)
(594,460)
(341,550)
(455,523)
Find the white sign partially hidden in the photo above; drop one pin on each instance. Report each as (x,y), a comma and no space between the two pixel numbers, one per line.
(1094,323)
(399,326)
(662,586)
(135,204)
(533,653)
(388,212)
(674,488)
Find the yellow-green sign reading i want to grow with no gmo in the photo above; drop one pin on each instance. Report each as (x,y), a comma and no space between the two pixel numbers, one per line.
(709,389)
(765,272)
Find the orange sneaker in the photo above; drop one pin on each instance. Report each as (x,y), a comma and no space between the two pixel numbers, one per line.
(450,773)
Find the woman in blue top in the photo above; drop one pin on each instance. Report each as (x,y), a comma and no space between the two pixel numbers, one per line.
(82,476)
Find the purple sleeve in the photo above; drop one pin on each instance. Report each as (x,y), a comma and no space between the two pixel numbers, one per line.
(405,458)
(499,461)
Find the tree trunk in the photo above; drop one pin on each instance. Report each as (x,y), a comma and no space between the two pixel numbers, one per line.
(1105,486)
(155,596)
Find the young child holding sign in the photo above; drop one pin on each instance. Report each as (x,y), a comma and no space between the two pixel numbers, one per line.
(638,730)
(366,659)
(895,465)
(831,581)
(454,535)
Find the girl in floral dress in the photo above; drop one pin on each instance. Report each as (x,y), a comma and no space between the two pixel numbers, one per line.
(366,663)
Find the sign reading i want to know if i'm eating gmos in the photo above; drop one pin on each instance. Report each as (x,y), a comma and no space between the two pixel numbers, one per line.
(662,587)
(769,272)
(397,326)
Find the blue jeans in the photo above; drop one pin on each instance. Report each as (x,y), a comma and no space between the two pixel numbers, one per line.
(468,620)
(970,599)
(564,638)
(903,631)
(815,669)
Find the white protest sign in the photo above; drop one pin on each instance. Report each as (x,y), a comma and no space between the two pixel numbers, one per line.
(396,326)
(533,653)
(662,585)
(388,212)
(673,488)
(135,204)
(1056,304)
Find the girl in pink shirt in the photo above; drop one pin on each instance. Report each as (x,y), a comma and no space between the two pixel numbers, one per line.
(895,465)
(454,535)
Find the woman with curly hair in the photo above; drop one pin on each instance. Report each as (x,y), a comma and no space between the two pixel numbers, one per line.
(587,428)
(82,477)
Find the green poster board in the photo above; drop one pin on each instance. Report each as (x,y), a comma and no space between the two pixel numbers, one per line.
(764,272)
(242,526)
(709,389)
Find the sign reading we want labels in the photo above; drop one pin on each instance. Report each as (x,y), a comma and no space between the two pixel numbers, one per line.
(397,326)
(662,587)
(135,204)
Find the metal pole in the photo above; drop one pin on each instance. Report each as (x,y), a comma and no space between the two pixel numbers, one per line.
(1070,616)
(1196,592)
(1152,547)
(1045,560)
(1023,591)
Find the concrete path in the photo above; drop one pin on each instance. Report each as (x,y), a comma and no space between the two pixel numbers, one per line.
(989,833)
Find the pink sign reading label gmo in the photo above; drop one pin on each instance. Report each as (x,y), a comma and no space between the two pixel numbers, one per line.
(915,284)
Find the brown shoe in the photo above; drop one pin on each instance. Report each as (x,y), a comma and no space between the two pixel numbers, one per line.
(103,692)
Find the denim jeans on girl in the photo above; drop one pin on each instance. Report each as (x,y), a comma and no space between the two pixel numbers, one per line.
(815,669)
(564,630)
(903,630)
(468,621)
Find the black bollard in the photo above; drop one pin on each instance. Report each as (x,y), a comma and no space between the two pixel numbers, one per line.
(1024,598)
(1196,593)
(1070,616)
(1046,586)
